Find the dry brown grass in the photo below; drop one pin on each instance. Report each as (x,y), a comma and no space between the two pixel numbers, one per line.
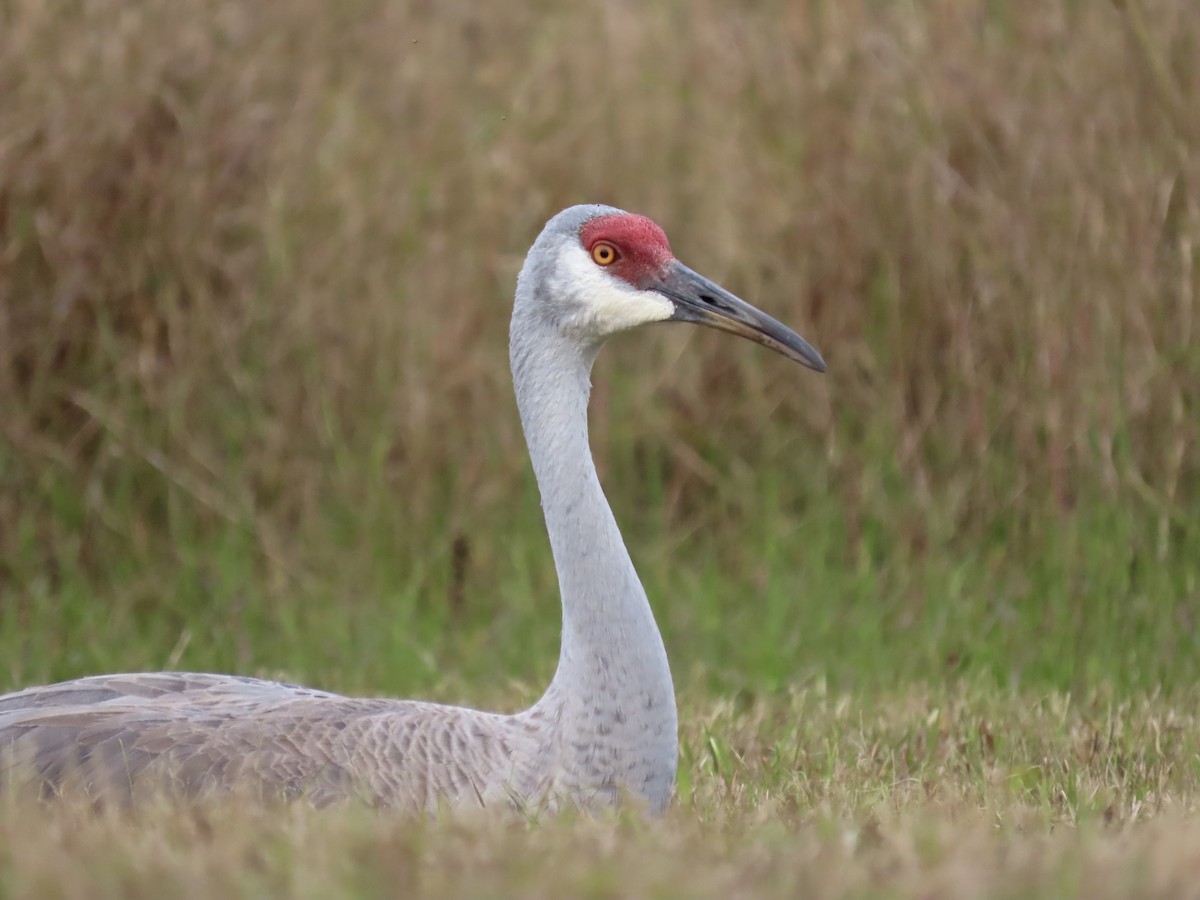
(246,853)
(244,243)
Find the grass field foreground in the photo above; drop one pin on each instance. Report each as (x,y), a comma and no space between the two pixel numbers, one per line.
(809,796)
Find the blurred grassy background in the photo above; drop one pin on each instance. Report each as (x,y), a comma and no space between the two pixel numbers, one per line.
(256,264)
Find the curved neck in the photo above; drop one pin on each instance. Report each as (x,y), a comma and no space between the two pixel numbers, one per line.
(612,663)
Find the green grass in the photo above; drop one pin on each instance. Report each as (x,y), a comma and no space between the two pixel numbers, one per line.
(932,617)
(776,598)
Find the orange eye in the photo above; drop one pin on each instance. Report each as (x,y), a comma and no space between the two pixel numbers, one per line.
(604,253)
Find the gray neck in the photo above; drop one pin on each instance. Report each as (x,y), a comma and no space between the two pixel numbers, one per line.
(613,685)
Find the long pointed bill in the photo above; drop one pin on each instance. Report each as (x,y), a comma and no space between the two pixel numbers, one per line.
(698,300)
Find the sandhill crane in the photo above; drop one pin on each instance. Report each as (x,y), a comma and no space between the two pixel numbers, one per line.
(606,726)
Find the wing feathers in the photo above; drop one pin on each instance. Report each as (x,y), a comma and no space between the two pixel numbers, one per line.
(196,735)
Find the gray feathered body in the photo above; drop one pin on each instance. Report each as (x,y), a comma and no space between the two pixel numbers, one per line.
(124,736)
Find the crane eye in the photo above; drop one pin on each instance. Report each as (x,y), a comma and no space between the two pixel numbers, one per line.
(604,253)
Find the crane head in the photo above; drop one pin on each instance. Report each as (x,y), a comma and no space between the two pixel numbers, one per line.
(604,270)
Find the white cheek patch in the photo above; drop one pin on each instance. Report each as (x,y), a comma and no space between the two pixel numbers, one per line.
(601,304)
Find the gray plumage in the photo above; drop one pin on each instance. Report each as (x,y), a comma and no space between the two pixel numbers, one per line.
(606,725)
